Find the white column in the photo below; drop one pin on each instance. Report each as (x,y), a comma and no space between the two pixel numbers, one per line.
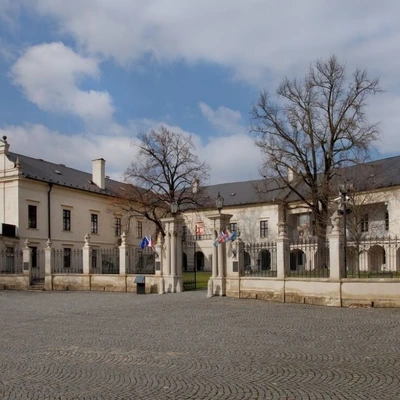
(282,252)
(123,255)
(86,256)
(27,261)
(214,261)
(48,278)
(218,285)
(336,259)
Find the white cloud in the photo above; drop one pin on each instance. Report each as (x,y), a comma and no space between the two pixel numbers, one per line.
(255,38)
(239,160)
(75,151)
(49,75)
(223,119)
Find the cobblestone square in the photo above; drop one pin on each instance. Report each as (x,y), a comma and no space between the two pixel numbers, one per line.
(91,345)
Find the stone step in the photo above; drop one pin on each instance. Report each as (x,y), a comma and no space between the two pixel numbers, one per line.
(36,287)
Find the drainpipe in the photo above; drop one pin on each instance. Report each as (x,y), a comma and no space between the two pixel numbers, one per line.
(49,211)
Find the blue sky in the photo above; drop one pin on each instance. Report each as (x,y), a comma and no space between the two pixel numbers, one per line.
(79,79)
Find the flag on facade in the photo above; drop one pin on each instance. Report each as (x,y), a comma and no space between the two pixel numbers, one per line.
(150,240)
(144,243)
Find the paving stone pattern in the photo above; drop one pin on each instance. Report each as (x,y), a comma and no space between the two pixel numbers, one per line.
(88,345)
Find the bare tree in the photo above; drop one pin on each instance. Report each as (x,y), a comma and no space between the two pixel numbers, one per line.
(317,126)
(166,170)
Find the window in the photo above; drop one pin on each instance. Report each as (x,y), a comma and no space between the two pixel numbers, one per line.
(364,223)
(263,229)
(199,228)
(67,258)
(94,223)
(32,217)
(139,229)
(387,220)
(66,220)
(117,226)
(233,226)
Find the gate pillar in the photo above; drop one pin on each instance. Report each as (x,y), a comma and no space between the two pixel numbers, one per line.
(172,260)
(217,286)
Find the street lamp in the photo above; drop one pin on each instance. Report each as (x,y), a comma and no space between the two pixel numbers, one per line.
(219,202)
(174,208)
(344,189)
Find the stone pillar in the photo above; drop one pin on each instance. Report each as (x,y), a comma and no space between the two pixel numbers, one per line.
(27,262)
(123,255)
(233,255)
(219,267)
(86,262)
(159,261)
(48,277)
(172,273)
(336,259)
(282,251)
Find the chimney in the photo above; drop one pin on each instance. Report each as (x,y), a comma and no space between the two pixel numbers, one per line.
(98,172)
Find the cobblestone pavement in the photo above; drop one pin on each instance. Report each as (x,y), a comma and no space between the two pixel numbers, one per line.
(88,345)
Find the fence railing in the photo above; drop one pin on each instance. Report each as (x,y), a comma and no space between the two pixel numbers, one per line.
(11,261)
(105,261)
(141,261)
(373,257)
(309,258)
(259,259)
(67,261)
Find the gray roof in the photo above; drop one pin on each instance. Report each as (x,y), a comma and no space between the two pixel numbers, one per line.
(368,176)
(59,174)
(372,175)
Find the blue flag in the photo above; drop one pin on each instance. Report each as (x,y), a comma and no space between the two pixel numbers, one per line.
(233,236)
(144,243)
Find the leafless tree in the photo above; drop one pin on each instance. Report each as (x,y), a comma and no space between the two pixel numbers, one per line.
(316,126)
(166,170)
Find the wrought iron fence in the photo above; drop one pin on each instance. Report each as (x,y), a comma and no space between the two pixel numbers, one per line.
(141,261)
(38,265)
(11,261)
(373,257)
(259,259)
(67,261)
(105,261)
(309,258)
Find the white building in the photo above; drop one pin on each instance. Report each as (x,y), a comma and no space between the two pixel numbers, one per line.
(41,200)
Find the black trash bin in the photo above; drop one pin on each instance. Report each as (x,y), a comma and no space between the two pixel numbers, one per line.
(140,281)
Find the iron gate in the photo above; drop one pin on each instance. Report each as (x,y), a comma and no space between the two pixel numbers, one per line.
(37,265)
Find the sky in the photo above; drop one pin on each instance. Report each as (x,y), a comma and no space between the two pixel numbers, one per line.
(80,79)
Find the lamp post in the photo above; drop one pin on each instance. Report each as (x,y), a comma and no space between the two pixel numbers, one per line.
(174,206)
(344,190)
(219,202)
